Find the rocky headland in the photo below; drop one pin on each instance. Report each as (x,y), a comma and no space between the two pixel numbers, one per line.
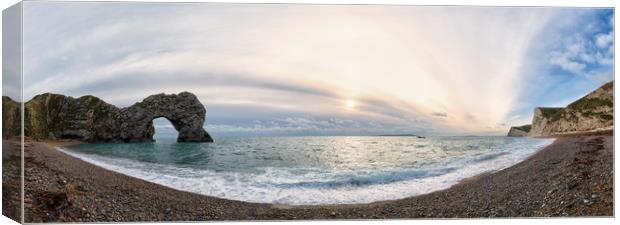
(90,119)
(592,113)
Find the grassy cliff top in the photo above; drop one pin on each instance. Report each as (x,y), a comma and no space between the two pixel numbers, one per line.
(549,111)
(525,128)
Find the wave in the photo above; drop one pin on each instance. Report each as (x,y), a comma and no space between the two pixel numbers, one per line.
(348,179)
(489,156)
(314,186)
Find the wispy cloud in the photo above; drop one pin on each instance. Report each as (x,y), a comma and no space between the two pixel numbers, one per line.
(406,67)
(572,56)
(582,51)
(316,126)
(440,114)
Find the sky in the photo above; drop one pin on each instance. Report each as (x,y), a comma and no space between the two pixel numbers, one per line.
(294,69)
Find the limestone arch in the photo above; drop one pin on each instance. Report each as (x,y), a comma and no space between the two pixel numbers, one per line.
(183,110)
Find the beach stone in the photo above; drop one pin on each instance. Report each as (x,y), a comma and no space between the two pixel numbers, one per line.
(90,119)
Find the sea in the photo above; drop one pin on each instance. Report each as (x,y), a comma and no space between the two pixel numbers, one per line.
(313,170)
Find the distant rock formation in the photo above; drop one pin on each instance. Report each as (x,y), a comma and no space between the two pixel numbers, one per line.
(593,112)
(90,119)
(521,131)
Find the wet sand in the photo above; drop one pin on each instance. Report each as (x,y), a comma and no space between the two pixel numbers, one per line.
(571,177)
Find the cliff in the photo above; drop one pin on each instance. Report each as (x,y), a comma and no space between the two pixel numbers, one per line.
(90,119)
(542,118)
(520,131)
(11,117)
(593,112)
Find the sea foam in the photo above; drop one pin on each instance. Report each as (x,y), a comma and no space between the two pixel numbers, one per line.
(308,185)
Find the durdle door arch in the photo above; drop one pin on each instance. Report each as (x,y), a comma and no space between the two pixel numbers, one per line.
(90,119)
(184,111)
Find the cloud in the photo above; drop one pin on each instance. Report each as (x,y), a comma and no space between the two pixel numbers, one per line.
(568,62)
(440,114)
(11,65)
(315,126)
(604,40)
(583,50)
(291,126)
(404,66)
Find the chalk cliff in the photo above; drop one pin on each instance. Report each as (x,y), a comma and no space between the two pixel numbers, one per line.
(542,118)
(593,112)
(90,119)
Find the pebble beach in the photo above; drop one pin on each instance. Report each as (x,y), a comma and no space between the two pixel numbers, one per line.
(570,178)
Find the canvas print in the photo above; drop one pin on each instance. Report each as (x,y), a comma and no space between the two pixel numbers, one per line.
(142,112)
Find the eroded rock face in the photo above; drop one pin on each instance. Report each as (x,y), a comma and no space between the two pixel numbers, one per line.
(90,119)
(593,112)
(542,118)
(11,117)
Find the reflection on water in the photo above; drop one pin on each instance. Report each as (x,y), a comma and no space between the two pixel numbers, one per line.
(304,170)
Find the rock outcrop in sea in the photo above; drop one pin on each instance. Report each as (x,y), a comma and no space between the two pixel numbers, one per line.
(90,119)
(594,112)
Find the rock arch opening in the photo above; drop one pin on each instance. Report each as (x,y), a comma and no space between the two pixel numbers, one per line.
(164,131)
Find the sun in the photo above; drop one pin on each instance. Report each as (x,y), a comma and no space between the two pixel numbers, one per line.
(350,103)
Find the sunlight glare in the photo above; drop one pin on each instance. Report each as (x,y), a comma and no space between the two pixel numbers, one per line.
(350,104)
